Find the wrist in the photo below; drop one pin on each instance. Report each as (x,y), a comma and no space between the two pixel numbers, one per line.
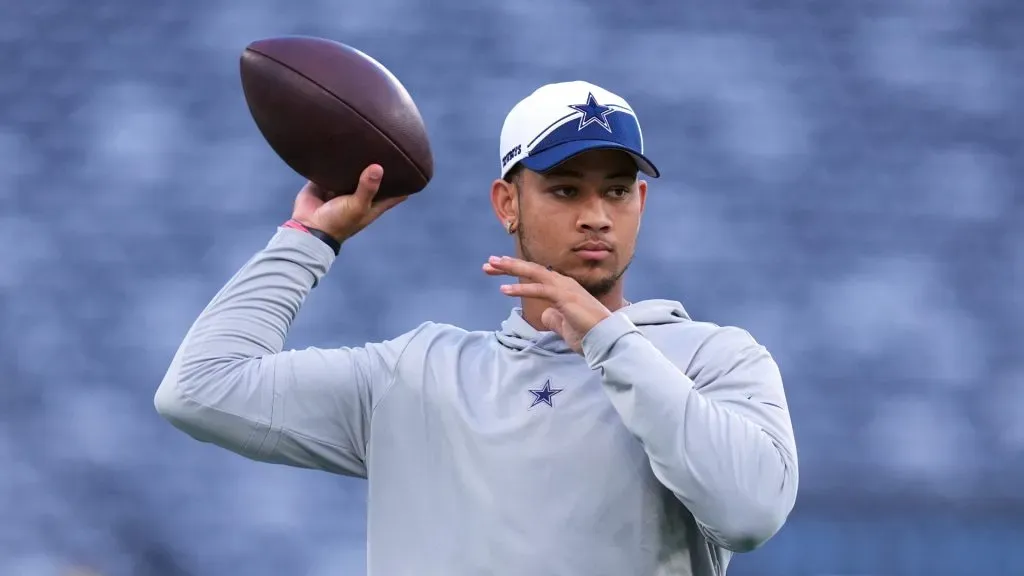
(331,241)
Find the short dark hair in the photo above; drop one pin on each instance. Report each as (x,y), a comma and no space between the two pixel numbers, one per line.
(514,175)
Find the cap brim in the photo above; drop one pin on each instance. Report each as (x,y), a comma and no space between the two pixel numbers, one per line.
(551,157)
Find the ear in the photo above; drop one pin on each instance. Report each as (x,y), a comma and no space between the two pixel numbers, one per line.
(503,200)
(641,188)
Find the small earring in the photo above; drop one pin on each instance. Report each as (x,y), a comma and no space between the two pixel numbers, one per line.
(508,226)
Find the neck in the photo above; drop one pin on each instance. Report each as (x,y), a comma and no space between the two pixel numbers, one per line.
(533,308)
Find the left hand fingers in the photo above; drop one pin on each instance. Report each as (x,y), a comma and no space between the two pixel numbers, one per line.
(506,265)
(542,291)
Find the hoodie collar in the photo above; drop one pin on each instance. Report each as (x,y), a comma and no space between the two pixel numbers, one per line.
(517,334)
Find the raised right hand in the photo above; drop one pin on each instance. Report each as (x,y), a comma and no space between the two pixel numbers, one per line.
(343,216)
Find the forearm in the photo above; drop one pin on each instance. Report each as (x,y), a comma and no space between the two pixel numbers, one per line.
(252,313)
(216,387)
(737,480)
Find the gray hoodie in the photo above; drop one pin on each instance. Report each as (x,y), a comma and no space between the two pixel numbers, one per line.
(662,449)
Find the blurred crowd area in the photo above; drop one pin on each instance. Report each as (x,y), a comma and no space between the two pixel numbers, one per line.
(841,178)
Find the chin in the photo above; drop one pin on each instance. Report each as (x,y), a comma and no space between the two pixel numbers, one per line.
(600,288)
(597,277)
(596,281)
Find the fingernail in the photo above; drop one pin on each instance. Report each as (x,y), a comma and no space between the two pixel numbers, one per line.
(494,259)
(375,173)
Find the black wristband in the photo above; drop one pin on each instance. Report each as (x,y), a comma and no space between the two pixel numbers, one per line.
(327,239)
(324,237)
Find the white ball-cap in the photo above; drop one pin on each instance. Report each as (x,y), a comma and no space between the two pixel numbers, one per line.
(558,121)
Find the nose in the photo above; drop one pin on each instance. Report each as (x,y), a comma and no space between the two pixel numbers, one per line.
(593,216)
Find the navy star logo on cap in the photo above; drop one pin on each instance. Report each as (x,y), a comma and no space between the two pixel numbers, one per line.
(544,395)
(593,113)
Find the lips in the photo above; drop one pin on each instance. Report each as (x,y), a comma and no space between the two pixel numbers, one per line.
(593,247)
(593,250)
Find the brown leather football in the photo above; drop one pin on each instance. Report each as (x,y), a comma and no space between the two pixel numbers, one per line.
(329,110)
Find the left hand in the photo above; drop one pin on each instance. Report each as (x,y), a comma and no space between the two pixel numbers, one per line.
(573,311)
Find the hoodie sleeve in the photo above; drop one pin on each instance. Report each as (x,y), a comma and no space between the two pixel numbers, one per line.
(232,384)
(721,438)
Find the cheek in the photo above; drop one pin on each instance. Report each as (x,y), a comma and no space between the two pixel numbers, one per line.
(550,225)
(628,225)
(547,240)
(627,232)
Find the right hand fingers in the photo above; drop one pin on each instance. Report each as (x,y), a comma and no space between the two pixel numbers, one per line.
(344,216)
(369,183)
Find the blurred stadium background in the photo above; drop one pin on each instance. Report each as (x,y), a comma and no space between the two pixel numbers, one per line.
(843,178)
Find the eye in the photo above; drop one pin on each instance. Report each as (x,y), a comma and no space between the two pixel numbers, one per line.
(564,191)
(619,192)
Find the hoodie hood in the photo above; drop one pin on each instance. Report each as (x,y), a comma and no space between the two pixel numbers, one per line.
(517,334)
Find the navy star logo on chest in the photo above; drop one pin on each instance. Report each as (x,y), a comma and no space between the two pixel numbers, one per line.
(545,394)
(593,113)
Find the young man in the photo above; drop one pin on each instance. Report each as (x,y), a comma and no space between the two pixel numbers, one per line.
(587,436)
